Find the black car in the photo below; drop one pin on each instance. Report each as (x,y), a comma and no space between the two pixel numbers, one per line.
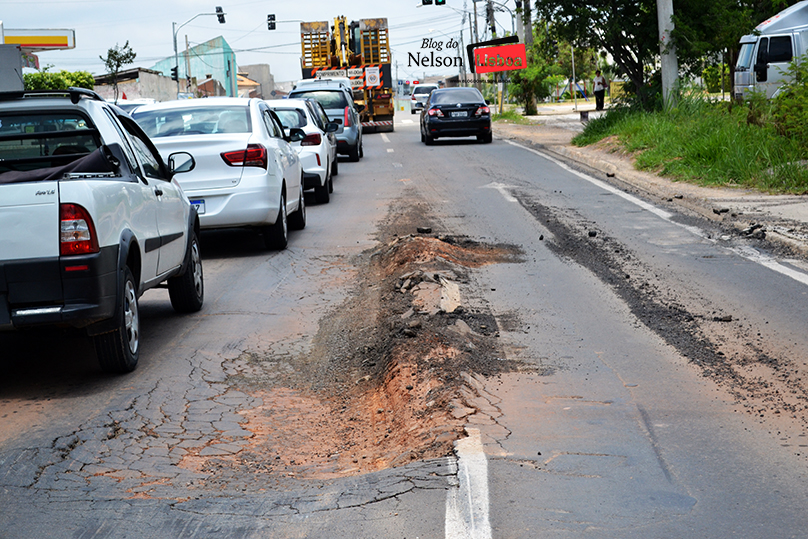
(456,112)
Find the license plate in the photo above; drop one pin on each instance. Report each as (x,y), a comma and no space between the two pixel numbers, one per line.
(459,114)
(199,204)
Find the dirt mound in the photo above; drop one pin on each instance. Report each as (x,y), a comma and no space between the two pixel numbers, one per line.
(382,385)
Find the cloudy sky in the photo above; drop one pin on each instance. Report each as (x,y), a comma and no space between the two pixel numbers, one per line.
(146,24)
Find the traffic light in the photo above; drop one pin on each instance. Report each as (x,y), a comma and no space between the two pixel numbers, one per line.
(489,18)
(220,14)
(554,48)
(174,75)
(271,21)
(440,2)
(426,2)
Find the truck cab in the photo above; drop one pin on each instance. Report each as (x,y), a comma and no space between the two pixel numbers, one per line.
(764,56)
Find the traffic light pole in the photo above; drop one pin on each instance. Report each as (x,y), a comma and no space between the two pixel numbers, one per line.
(175,29)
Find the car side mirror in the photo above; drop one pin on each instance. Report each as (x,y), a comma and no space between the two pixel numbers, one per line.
(180,162)
(295,135)
(332,127)
(337,121)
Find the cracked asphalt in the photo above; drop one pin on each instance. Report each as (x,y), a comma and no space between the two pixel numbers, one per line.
(641,381)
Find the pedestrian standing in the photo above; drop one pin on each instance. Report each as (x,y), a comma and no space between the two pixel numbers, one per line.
(600,90)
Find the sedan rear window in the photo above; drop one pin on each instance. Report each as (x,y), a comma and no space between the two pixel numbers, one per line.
(291,117)
(329,99)
(457,95)
(423,90)
(194,121)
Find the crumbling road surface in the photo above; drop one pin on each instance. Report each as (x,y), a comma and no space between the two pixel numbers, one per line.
(467,341)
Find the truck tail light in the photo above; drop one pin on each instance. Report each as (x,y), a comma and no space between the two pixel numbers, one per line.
(482,110)
(347,121)
(77,232)
(255,155)
(311,140)
(435,112)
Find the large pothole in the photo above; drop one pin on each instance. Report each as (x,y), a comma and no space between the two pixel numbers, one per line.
(390,376)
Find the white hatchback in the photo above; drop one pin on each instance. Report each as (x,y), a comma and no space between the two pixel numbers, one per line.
(318,150)
(247,173)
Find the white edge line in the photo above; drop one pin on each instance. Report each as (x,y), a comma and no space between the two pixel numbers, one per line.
(753,255)
(467,505)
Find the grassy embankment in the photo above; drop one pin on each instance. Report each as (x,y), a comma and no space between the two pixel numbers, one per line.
(510,115)
(707,143)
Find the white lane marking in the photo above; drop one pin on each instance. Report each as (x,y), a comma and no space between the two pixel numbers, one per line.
(385,138)
(390,150)
(407,121)
(749,253)
(502,188)
(467,505)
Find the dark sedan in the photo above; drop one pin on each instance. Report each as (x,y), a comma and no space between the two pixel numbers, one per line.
(456,112)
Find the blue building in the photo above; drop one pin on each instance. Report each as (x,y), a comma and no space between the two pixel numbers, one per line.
(213,59)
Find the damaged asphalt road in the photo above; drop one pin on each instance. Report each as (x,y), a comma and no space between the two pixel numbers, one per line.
(627,377)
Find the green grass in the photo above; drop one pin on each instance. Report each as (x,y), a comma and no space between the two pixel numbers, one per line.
(706,143)
(510,116)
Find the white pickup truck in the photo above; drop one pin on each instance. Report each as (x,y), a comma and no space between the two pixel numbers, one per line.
(90,218)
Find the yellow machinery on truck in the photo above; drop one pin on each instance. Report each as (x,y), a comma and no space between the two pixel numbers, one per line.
(360,52)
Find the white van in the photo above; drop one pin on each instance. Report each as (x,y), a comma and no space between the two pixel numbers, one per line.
(764,57)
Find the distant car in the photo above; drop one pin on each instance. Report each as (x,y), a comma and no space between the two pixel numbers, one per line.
(128,105)
(247,173)
(456,112)
(339,106)
(318,150)
(341,81)
(420,93)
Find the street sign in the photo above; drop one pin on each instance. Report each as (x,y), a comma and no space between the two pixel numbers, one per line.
(41,40)
(503,58)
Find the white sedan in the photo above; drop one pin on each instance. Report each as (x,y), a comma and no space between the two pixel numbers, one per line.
(318,150)
(247,173)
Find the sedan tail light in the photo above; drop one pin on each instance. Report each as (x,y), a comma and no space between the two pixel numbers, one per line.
(255,155)
(77,232)
(482,110)
(347,121)
(311,140)
(435,112)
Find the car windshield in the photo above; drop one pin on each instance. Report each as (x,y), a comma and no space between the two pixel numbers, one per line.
(207,120)
(745,57)
(329,99)
(291,117)
(457,95)
(39,140)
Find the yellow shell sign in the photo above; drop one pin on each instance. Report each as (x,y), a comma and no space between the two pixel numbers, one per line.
(41,40)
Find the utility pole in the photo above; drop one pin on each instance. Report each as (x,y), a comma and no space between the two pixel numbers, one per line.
(527,19)
(187,66)
(520,26)
(667,52)
(476,33)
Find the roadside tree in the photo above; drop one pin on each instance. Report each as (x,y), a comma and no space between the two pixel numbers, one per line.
(116,58)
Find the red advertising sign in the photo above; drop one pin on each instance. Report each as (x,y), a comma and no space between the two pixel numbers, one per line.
(503,58)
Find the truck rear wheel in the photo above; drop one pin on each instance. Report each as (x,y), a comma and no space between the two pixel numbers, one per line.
(119,350)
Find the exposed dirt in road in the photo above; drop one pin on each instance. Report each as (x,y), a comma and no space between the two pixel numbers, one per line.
(767,380)
(382,384)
